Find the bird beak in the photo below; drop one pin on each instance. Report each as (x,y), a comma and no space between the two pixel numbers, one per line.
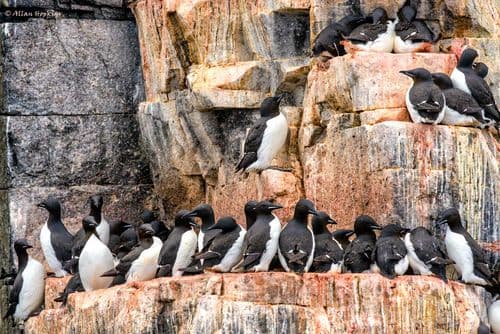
(214,227)
(280,97)
(376,227)
(348,234)
(127,226)
(441,221)
(28,246)
(332,222)
(275,206)
(41,205)
(193,223)
(407,73)
(313,212)
(190,215)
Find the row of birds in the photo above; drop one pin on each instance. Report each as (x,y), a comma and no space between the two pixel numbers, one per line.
(375,33)
(105,253)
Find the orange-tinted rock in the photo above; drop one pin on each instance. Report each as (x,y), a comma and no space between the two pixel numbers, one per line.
(53,288)
(264,302)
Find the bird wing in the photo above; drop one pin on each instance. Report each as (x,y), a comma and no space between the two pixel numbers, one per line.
(482,93)
(65,241)
(252,143)
(462,102)
(366,32)
(208,238)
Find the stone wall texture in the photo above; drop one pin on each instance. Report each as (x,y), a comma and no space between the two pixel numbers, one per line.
(68,127)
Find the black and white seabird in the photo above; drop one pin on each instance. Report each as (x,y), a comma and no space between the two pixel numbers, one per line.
(390,254)
(150,217)
(225,251)
(95,259)
(327,44)
(141,263)
(55,239)
(296,241)
(328,253)
(481,69)
(469,257)
(206,213)
(412,35)
(426,254)
(460,107)
(177,251)
(424,100)
(494,316)
(342,237)
(358,255)
(465,78)
(261,240)
(28,290)
(250,214)
(116,228)
(266,137)
(375,36)
(128,240)
(78,244)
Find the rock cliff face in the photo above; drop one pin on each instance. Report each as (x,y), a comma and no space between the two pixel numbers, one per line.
(69,94)
(208,64)
(271,303)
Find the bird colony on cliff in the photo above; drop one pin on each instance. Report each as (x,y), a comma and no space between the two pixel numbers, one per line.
(105,253)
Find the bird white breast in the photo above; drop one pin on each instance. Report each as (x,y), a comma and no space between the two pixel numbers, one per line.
(494,316)
(32,291)
(402,266)
(103,231)
(336,268)
(453,117)
(271,246)
(49,252)
(383,43)
(144,267)
(416,264)
(407,46)
(458,80)
(233,255)
(201,236)
(311,254)
(459,251)
(186,250)
(273,139)
(415,116)
(95,260)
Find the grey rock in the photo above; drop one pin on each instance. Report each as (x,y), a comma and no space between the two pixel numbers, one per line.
(69,151)
(70,67)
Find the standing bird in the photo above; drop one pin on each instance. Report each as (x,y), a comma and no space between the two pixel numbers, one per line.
(358,255)
(390,254)
(266,137)
(206,213)
(250,214)
(465,78)
(177,251)
(95,259)
(374,36)
(481,69)
(116,228)
(28,290)
(296,241)
(328,254)
(141,262)
(327,44)
(261,240)
(225,251)
(342,237)
(55,239)
(469,257)
(412,35)
(424,100)
(426,253)
(460,107)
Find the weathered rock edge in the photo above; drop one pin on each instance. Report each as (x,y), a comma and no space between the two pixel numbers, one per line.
(271,303)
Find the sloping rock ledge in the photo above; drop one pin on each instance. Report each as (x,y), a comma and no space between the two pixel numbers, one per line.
(272,302)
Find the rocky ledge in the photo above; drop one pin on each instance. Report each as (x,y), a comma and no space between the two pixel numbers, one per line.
(272,302)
